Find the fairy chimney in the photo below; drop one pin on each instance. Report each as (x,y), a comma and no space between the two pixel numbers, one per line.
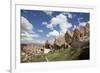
(68,37)
(47,44)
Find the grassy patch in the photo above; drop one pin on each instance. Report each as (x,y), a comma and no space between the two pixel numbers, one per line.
(62,55)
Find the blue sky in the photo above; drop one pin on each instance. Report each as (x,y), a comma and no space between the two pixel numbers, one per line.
(49,24)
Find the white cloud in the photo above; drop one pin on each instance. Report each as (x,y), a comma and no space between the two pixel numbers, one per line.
(26,40)
(27,34)
(44,23)
(74,27)
(53,34)
(60,20)
(26,25)
(40,41)
(79,19)
(48,12)
(63,28)
(55,21)
(82,23)
(69,25)
(50,26)
(68,14)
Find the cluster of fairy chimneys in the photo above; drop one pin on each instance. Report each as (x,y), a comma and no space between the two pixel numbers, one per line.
(74,39)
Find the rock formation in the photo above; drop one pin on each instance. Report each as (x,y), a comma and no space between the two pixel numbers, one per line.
(74,39)
(87,30)
(59,41)
(68,38)
(47,45)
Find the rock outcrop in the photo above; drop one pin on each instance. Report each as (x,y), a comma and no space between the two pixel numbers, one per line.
(46,45)
(59,43)
(87,30)
(68,37)
(74,39)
